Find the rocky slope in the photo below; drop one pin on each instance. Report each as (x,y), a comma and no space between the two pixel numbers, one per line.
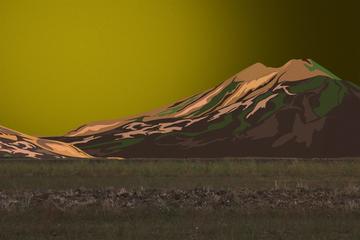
(298,110)
(17,145)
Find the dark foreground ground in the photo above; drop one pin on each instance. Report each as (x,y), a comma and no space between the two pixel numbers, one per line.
(215,199)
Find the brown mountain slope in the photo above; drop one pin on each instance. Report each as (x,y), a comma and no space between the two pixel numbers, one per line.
(298,110)
(243,87)
(17,145)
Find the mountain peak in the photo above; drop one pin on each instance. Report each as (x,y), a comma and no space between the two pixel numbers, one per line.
(297,110)
(241,89)
(293,70)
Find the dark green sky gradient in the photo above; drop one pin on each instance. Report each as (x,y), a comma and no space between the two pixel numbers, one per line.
(65,63)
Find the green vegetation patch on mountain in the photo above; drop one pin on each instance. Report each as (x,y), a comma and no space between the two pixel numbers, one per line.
(316,66)
(179,106)
(212,127)
(272,106)
(217,99)
(126,143)
(331,97)
(307,85)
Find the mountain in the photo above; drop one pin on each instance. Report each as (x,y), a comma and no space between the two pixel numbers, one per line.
(298,110)
(18,145)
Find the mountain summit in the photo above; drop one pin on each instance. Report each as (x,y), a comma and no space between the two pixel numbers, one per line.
(256,79)
(298,110)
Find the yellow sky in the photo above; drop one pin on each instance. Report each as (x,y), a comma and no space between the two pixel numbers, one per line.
(65,63)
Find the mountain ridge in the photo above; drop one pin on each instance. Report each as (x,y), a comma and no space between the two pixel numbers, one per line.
(261,111)
(16,144)
(251,78)
(298,110)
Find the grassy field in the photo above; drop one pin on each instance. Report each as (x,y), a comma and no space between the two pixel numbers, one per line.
(179,224)
(178,174)
(247,199)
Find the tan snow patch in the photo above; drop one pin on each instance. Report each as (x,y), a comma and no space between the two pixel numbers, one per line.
(261,104)
(247,87)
